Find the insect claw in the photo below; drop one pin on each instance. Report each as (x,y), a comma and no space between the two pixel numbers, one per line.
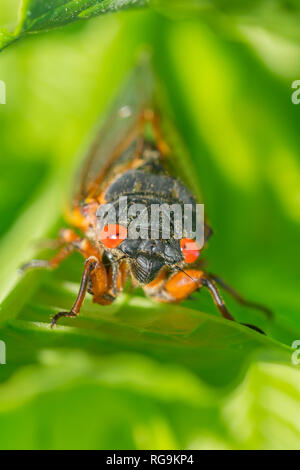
(255,328)
(59,315)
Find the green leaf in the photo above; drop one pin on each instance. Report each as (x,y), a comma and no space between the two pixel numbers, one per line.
(42,15)
(6,38)
(70,400)
(39,16)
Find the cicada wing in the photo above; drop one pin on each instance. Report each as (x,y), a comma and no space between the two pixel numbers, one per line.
(118,131)
(179,162)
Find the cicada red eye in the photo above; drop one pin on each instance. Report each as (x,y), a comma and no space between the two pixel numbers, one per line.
(112,235)
(190,250)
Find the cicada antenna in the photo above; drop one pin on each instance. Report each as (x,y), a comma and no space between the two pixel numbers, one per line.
(178,268)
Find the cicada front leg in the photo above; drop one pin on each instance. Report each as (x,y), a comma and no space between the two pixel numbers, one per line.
(106,284)
(95,277)
(179,286)
(68,242)
(92,265)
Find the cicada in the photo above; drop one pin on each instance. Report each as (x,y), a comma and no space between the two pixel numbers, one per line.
(130,159)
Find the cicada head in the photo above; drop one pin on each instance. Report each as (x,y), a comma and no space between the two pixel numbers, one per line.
(147,257)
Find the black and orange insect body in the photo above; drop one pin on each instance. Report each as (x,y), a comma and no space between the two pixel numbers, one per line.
(129,161)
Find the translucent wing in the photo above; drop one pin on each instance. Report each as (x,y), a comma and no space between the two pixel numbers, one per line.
(118,132)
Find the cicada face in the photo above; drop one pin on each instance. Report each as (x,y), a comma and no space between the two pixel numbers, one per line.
(147,257)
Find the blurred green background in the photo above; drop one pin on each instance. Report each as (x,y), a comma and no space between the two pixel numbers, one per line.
(137,375)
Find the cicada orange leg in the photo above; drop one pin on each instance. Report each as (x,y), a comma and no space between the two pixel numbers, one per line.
(239,298)
(179,286)
(90,264)
(103,283)
(69,242)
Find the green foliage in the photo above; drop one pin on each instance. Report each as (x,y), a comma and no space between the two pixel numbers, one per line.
(276,16)
(72,401)
(42,15)
(38,16)
(138,374)
(5,38)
